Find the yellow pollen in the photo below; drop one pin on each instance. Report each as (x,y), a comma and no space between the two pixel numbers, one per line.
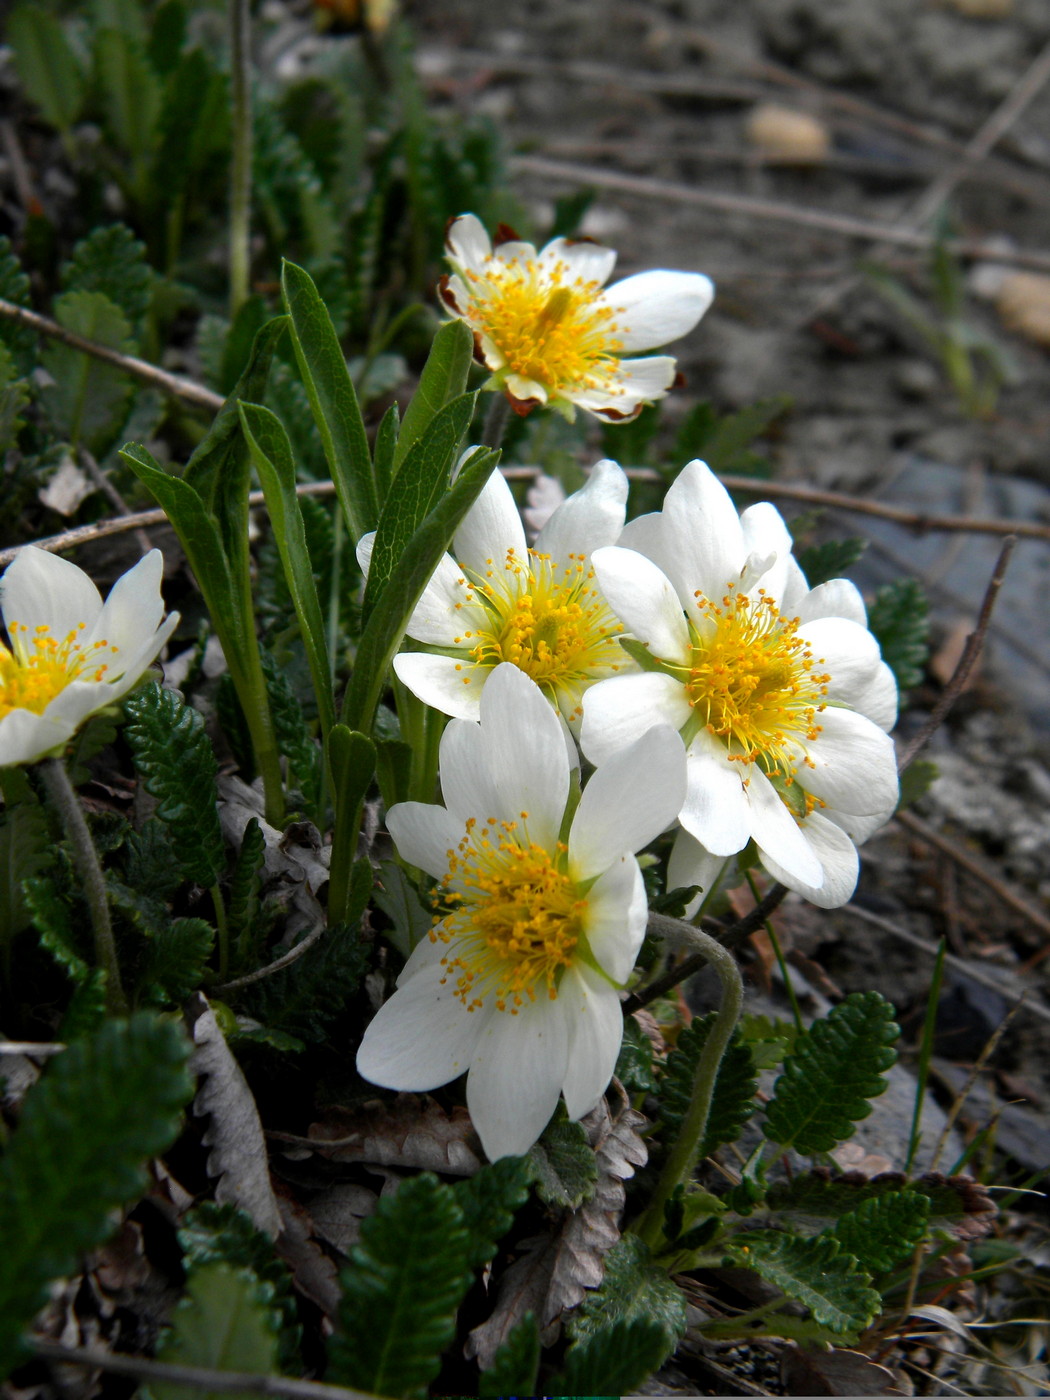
(754,683)
(515,922)
(549,327)
(38,667)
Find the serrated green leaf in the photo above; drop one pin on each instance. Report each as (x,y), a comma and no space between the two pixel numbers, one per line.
(193,128)
(131,95)
(883,1230)
(47,65)
(830,559)
(634,1067)
(52,918)
(899,620)
(225,1322)
(632,1289)
(489,1200)
(177,959)
(817,1197)
(916,781)
(296,743)
(88,398)
(103,1107)
(174,756)
(399,900)
(563,1162)
(814,1272)
(614,1361)
(167,35)
(25,850)
(732,1101)
(242,899)
(290,198)
(111,260)
(835,1068)
(516,1365)
(332,398)
(444,379)
(401,1292)
(14,395)
(150,864)
(305,998)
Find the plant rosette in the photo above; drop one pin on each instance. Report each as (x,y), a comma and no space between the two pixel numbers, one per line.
(541,911)
(551,332)
(778,690)
(498,600)
(69,654)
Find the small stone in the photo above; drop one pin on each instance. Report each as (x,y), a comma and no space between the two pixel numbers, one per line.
(784,134)
(1023,303)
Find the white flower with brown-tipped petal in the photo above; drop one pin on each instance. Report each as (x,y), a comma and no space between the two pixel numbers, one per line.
(779,690)
(551,332)
(542,911)
(69,654)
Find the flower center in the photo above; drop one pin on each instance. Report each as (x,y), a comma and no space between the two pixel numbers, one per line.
(39,667)
(516,917)
(547,325)
(550,620)
(754,682)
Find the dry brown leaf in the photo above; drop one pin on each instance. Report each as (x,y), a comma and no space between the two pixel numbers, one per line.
(315,1275)
(234,1133)
(522,1289)
(413,1131)
(838,1371)
(295,862)
(337,1213)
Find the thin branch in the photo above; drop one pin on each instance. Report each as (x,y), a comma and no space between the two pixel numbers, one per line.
(32,1049)
(199,1377)
(293,955)
(971,651)
(971,1079)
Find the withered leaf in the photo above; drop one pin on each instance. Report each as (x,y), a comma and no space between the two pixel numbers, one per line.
(413,1131)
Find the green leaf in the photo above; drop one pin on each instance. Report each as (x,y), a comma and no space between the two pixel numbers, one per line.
(294,737)
(399,900)
(47,65)
(835,1068)
(272,454)
(88,399)
(332,399)
(882,1231)
(817,1197)
(25,850)
(516,1365)
(831,559)
(131,96)
(167,35)
(732,1102)
(242,899)
(416,489)
(634,1067)
(898,618)
(383,452)
(111,260)
(14,395)
(614,1361)
(174,757)
(103,1107)
(563,1162)
(489,1200)
(52,918)
(401,1292)
(632,1289)
(225,1322)
(193,129)
(814,1272)
(916,780)
(444,379)
(307,997)
(177,960)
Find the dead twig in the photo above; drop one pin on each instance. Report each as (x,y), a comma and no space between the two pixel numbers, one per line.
(293,955)
(971,1079)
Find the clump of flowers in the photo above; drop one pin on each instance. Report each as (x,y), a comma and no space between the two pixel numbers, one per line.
(541,913)
(778,690)
(69,654)
(553,335)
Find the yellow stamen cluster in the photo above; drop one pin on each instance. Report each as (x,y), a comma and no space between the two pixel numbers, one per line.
(549,619)
(516,917)
(38,666)
(547,325)
(754,682)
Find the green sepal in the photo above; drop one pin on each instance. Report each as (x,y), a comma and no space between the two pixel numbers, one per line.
(639,651)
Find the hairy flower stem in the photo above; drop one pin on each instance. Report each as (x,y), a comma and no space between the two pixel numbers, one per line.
(66,803)
(682,1159)
(495,421)
(241,164)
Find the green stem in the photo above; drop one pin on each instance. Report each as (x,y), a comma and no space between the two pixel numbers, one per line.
(223,929)
(778,954)
(85,858)
(495,421)
(241,163)
(421,729)
(684,1155)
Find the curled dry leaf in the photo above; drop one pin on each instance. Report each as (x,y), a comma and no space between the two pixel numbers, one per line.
(234,1133)
(413,1131)
(784,134)
(523,1288)
(295,863)
(314,1273)
(837,1371)
(337,1213)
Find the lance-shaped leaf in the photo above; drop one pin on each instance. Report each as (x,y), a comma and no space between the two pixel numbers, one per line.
(104,1106)
(332,398)
(47,65)
(814,1272)
(834,1069)
(884,1230)
(444,378)
(614,1361)
(732,1102)
(401,1292)
(383,453)
(225,1322)
(272,454)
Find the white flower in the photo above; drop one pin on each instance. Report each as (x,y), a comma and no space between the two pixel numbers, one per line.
(518,983)
(778,690)
(499,600)
(551,335)
(71,655)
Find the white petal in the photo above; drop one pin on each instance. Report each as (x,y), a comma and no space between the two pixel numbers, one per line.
(25,736)
(468,786)
(838,859)
(491,528)
(424,834)
(702,531)
(847,651)
(692,864)
(41,590)
(777,834)
(630,798)
(715,811)
(766,534)
(446,608)
(645,534)
(516,1073)
(520,388)
(617,912)
(515,250)
(654,308)
(836,598)
(525,752)
(451,686)
(595,1020)
(644,599)
(626,386)
(619,710)
(134,665)
(590,518)
(579,258)
(363,551)
(132,612)
(879,701)
(467,242)
(422,1037)
(855,768)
